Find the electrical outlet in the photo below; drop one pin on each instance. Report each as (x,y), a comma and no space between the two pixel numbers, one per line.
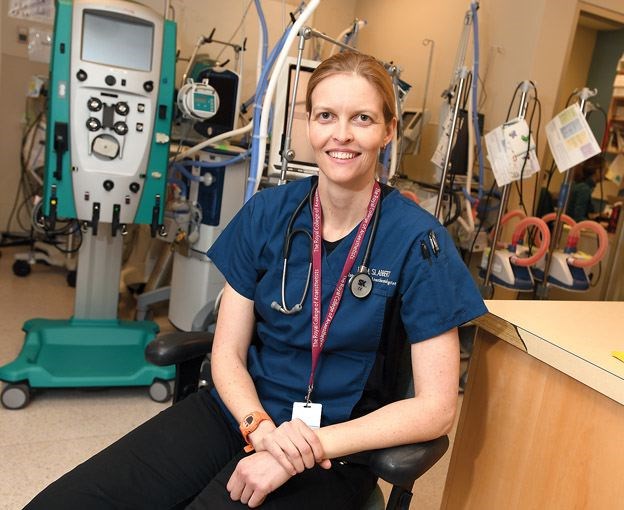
(22,35)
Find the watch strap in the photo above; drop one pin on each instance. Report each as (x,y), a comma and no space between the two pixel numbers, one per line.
(249,424)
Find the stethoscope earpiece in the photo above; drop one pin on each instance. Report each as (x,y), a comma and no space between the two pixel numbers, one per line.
(286,311)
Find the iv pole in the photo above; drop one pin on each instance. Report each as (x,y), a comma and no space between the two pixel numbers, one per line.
(461,73)
(541,291)
(487,289)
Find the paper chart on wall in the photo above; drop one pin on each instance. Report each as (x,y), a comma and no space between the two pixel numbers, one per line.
(570,138)
(33,10)
(511,152)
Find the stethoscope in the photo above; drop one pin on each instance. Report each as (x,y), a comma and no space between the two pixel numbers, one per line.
(360,284)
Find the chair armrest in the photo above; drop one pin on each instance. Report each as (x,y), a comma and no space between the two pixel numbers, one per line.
(175,348)
(403,465)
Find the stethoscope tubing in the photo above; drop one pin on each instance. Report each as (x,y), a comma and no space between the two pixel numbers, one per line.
(290,233)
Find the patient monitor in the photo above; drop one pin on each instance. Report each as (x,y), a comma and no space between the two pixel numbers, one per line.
(302,163)
(110,114)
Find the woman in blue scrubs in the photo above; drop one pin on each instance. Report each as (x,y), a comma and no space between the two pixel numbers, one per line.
(288,357)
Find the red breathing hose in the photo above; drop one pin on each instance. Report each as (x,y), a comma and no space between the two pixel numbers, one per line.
(564,218)
(568,220)
(573,238)
(511,214)
(519,234)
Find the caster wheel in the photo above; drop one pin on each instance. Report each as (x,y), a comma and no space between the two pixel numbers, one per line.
(71,278)
(160,390)
(15,396)
(21,268)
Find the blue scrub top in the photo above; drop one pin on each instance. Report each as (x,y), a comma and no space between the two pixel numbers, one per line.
(436,294)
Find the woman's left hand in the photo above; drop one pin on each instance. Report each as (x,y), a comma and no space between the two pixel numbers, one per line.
(295,446)
(255,477)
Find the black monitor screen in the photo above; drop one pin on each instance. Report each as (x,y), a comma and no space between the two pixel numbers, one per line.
(304,154)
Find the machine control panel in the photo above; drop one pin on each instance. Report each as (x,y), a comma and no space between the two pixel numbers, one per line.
(117,52)
(113,71)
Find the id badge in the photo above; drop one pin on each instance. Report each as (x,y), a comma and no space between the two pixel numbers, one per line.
(310,414)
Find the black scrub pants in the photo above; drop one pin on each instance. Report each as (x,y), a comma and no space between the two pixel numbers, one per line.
(183,458)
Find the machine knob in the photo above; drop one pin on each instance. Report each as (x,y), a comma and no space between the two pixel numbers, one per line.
(148,86)
(121,128)
(122,108)
(108,185)
(94,104)
(110,80)
(93,124)
(135,187)
(81,75)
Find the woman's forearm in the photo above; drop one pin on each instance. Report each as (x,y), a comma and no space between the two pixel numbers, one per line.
(402,422)
(233,335)
(428,415)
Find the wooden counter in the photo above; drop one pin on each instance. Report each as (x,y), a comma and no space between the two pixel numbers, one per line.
(542,421)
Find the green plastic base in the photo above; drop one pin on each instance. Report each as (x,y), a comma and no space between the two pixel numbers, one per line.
(85,353)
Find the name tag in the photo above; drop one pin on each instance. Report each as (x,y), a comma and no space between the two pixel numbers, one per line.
(310,414)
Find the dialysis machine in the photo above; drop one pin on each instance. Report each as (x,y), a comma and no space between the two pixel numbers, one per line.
(109,121)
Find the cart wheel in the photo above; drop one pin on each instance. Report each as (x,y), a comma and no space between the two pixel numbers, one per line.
(160,390)
(21,268)
(15,396)
(71,278)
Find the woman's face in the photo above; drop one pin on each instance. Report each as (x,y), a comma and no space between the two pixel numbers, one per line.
(346,129)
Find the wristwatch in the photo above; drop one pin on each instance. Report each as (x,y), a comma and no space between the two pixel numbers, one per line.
(249,424)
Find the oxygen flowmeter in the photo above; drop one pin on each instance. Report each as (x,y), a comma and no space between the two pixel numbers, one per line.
(110,111)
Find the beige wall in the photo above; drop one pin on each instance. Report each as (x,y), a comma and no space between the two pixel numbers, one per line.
(530,40)
(15,73)
(574,77)
(519,40)
(194,17)
(395,32)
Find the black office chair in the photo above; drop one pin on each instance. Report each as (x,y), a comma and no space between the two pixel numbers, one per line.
(400,465)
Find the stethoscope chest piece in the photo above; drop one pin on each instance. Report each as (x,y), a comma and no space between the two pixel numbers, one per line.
(361,284)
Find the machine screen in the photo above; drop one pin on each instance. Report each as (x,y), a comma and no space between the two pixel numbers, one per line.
(117,40)
(304,153)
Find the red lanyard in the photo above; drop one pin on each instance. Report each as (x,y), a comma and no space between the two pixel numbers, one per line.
(319,333)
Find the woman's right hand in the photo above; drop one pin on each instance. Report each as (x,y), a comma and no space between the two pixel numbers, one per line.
(294,445)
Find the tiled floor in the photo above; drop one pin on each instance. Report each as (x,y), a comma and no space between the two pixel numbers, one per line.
(61,428)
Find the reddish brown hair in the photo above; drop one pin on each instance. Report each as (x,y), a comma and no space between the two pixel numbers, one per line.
(359,64)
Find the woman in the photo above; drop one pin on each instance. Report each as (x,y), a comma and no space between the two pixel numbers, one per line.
(586,176)
(284,359)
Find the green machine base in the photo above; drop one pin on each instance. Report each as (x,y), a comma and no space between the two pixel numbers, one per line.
(79,353)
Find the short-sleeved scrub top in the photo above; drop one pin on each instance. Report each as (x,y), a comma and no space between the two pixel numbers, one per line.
(429,286)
